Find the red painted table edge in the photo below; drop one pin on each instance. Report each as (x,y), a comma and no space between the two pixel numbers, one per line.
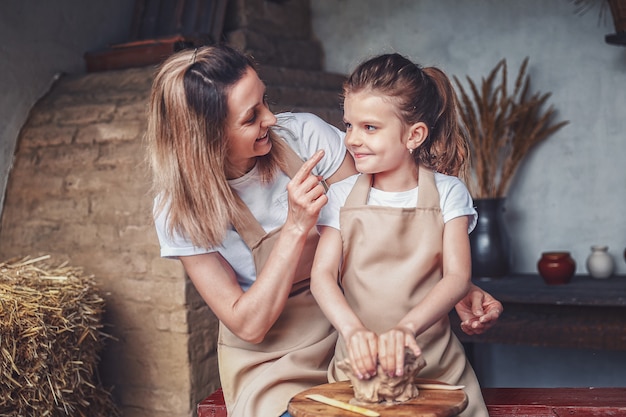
(503,402)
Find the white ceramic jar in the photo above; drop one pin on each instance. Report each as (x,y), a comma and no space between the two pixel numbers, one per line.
(600,262)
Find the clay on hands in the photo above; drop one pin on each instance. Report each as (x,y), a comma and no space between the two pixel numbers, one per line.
(383,388)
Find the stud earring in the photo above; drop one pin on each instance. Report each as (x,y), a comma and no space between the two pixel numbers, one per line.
(411,151)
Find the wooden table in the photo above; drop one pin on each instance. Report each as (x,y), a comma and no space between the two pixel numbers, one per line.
(510,402)
(586,313)
(431,403)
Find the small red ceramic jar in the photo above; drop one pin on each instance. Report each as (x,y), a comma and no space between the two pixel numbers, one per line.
(556,267)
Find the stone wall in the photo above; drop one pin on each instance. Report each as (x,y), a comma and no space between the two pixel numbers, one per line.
(276,32)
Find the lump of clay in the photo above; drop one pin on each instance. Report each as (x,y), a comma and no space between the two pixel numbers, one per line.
(382,388)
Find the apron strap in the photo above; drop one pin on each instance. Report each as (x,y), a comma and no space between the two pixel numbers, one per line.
(249,228)
(427,195)
(360,191)
(294,162)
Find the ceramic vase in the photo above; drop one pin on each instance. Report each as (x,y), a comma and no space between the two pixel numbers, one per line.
(556,268)
(489,241)
(600,262)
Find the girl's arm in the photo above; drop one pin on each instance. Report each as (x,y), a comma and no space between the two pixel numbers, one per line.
(251,314)
(361,343)
(452,287)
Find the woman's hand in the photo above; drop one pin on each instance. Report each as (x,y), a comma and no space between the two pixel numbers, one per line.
(362,347)
(306,195)
(391,349)
(478,311)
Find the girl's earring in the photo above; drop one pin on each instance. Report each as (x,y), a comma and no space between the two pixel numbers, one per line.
(411,151)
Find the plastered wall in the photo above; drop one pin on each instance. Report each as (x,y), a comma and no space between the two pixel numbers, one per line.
(571,189)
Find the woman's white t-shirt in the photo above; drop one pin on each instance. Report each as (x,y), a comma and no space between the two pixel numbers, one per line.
(305,133)
(454,200)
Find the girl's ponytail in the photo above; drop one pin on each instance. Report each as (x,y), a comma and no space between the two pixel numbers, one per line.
(449,151)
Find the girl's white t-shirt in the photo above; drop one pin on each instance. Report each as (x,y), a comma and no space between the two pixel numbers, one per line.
(268,202)
(454,199)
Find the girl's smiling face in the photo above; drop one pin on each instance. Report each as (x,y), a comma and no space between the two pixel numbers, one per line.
(378,139)
(248,124)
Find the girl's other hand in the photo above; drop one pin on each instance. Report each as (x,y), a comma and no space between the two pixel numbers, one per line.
(391,349)
(363,352)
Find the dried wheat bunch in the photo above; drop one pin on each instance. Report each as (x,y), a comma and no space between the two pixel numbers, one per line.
(502,128)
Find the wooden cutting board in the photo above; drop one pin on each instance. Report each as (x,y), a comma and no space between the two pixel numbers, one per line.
(429,403)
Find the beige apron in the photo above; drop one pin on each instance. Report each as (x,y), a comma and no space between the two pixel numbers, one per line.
(391,259)
(258,380)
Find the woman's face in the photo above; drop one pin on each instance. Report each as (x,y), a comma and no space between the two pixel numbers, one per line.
(247,125)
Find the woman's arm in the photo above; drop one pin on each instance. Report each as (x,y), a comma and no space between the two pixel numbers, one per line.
(361,343)
(452,287)
(251,314)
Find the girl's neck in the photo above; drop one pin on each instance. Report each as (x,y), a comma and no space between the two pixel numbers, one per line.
(395,181)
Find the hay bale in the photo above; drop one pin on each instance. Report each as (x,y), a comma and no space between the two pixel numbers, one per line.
(50,339)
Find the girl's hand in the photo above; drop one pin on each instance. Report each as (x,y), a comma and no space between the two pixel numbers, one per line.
(391,349)
(306,195)
(362,347)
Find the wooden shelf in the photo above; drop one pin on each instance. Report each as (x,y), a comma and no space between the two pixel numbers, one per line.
(160,28)
(582,290)
(616,39)
(586,313)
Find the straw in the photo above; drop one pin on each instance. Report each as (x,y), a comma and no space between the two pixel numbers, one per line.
(50,339)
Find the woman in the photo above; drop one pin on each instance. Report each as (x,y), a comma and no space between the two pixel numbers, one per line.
(236,204)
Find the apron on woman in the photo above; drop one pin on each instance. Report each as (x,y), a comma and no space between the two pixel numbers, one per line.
(392,257)
(258,380)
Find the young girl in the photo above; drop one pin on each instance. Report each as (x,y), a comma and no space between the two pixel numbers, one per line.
(397,233)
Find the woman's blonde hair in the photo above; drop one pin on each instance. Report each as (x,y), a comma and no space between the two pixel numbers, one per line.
(421,95)
(187,143)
